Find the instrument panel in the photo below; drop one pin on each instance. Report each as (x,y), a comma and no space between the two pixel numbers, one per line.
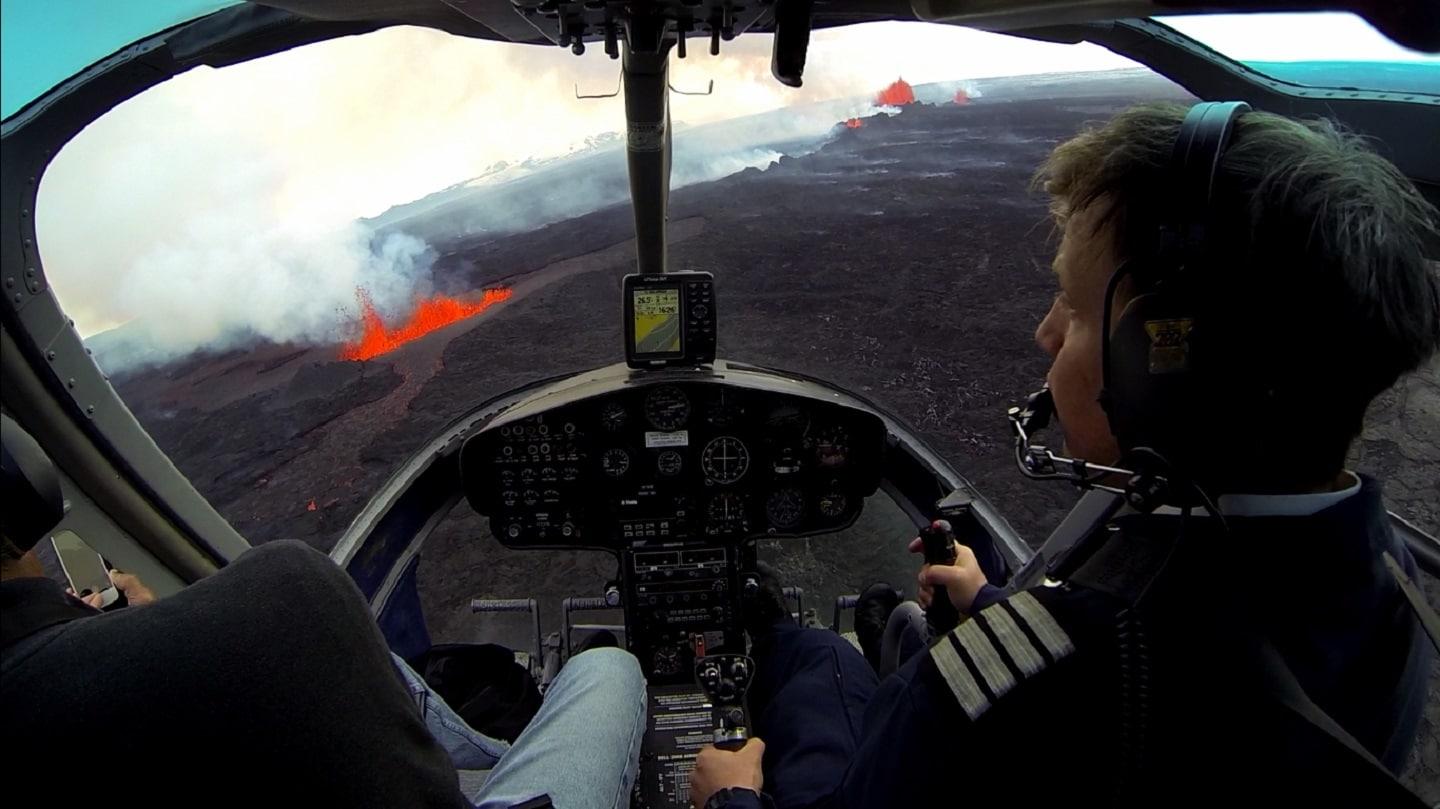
(673,461)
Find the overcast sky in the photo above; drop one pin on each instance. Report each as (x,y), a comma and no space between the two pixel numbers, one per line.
(226,168)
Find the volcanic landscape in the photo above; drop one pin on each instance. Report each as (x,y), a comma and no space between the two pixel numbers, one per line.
(906,258)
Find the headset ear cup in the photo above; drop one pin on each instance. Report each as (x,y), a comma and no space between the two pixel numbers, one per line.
(1150,392)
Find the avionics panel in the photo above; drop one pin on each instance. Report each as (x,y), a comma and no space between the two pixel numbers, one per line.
(654,464)
(669,319)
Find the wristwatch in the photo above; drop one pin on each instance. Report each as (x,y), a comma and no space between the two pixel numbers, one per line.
(721,798)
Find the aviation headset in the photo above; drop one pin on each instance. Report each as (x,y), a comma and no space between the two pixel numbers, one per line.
(1155,358)
(29,488)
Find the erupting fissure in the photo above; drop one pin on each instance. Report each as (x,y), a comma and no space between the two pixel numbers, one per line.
(854,123)
(898,94)
(429,314)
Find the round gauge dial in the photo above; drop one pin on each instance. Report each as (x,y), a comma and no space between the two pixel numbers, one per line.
(615,463)
(726,514)
(613,416)
(669,463)
(667,660)
(725,410)
(832,446)
(785,460)
(725,459)
(785,508)
(833,503)
(667,408)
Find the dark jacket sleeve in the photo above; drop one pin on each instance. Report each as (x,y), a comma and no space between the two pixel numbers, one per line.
(267,681)
(745,799)
(989,594)
(321,665)
(954,712)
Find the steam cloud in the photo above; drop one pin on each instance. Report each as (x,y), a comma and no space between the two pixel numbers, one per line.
(287,285)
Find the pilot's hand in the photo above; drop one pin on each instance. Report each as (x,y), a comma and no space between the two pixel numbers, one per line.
(962,580)
(136,593)
(716,769)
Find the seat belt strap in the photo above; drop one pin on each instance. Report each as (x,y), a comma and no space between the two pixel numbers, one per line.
(1281,684)
(1428,619)
(1085,521)
(1123,566)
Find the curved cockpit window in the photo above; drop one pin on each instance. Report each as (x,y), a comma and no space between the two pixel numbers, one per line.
(1330,50)
(298,270)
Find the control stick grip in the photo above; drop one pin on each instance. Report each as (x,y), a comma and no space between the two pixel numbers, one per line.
(938,542)
(726,680)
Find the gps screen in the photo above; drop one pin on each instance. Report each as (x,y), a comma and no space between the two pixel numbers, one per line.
(657,320)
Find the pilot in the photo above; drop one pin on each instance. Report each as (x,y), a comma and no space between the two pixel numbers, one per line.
(1262,658)
(266,683)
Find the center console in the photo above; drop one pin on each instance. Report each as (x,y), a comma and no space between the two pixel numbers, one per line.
(682,603)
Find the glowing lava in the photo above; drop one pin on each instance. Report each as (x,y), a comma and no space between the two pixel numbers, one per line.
(962,97)
(854,123)
(897,94)
(429,314)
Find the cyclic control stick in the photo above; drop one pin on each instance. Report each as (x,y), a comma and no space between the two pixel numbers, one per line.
(938,542)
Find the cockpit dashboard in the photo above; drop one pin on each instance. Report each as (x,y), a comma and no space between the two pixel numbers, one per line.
(664,459)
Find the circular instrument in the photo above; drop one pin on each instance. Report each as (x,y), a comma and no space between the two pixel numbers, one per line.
(669,463)
(615,463)
(833,502)
(831,446)
(613,416)
(785,508)
(726,514)
(667,408)
(725,459)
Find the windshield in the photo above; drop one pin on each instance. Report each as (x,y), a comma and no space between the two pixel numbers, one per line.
(43,43)
(298,270)
(1315,50)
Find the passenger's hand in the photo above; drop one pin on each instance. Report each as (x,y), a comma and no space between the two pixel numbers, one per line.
(717,769)
(136,593)
(962,580)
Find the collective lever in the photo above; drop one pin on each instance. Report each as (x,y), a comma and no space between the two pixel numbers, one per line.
(726,679)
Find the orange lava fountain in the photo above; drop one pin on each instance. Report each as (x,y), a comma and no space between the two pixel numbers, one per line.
(897,94)
(962,97)
(429,314)
(854,123)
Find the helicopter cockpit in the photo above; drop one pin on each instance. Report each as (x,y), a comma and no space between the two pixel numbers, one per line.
(676,471)
(639,386)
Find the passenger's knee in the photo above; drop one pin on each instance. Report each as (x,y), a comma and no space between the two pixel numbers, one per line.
(614,667)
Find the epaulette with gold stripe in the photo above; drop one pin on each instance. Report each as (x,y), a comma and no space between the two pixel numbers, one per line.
(999,647)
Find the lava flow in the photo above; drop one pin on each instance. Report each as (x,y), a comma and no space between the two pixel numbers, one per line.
(962,97)
(429,314)
(897,94)
(854,123)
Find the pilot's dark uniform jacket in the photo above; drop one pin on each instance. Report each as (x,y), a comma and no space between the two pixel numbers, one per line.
(264,684)
(1073,693)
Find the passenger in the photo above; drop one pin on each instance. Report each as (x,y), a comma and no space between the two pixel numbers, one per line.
(264,684)
(1069,694)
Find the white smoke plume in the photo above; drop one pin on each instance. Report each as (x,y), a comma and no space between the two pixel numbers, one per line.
(287,285)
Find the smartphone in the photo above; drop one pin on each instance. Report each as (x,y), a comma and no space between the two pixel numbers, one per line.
(84,568)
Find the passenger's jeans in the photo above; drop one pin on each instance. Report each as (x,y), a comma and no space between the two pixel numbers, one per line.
(582,748)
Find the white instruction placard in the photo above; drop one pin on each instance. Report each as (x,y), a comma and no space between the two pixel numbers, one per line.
(655,440)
